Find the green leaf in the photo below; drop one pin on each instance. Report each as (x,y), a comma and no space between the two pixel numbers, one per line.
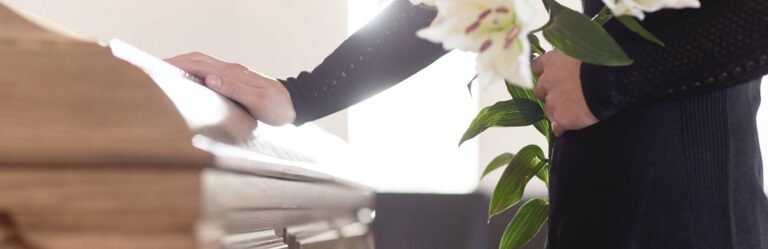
(520,93)
(634,25)
(515,112)
(547,3)
(603,16)
(516,176)
(469,85)
(576,35)
(525,225)
(498,162)
(543,127)
(535,44)
(543,175)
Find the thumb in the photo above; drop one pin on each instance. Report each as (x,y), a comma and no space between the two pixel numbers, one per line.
(557,129)
(226,88)
(213,82)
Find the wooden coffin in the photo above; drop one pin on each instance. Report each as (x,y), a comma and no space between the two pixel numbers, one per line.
(98,153)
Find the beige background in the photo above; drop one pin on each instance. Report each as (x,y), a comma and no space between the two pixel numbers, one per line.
(279,38)
(276,37)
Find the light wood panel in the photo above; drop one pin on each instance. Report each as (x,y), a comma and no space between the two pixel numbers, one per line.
(64,100)
(111,240)
(94,155)
(129,199)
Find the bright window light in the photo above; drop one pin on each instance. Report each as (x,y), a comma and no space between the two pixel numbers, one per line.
(408,135)
(762,127)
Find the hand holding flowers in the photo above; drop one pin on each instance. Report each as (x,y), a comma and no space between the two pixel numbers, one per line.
(559,86)
(547,95)
(638,8)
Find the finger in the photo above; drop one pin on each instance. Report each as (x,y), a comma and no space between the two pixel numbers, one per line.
(244,75)
(180,60)
(227,88)
(196,68)
(549,111)
(537,66)
(540,92)
(557,129)
(213,82)
(197,64)
(195,56)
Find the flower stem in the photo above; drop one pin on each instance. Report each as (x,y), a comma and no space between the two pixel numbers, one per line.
(603,16)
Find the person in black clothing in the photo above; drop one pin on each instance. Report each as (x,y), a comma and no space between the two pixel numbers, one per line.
(673,162)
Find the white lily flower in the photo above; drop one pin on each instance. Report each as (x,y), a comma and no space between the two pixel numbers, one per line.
(495,29)
(638,8)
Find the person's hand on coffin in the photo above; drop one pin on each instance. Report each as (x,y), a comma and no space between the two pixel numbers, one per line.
(266,99)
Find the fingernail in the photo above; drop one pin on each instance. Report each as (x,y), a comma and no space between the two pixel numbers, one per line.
(214,82)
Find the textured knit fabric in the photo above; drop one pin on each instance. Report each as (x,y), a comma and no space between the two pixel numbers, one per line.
(683,173)
(383,53)
(723,43)
(674,162)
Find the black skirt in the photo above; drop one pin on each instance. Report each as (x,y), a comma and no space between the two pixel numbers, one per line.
(678,173)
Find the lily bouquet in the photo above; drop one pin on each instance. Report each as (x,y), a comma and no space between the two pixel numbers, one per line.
(500,32)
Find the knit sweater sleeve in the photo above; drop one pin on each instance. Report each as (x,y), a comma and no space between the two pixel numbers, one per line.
(378,56)
(722,44)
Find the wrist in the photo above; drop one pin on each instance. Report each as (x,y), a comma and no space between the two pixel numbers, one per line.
(292,101)
(602,99)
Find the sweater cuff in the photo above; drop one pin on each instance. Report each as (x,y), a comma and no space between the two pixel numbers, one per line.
(296,98)
(600,92)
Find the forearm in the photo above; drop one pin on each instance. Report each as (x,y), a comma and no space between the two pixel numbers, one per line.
(726,44)
(383,53)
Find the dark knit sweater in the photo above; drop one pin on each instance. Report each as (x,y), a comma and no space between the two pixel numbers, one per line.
(383,53)
(674,162)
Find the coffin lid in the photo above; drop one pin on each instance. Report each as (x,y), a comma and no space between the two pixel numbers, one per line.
(67,100)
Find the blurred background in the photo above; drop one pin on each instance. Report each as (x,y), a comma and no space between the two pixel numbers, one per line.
(406,136)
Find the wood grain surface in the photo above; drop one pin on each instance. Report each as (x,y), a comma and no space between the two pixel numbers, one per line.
(64,100)
(112,240)
(94,155)
(129,199)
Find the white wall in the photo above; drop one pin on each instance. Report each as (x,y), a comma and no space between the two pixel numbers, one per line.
(276,37)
